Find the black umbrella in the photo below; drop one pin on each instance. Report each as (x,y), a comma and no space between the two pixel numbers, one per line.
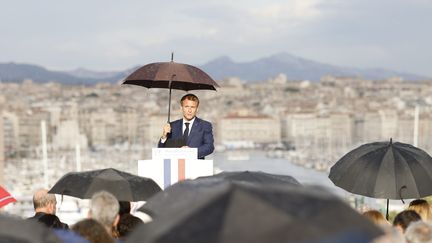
(176,197)
(124,186)
(15,230)
(161,203)
(232,212)
(385,170)
(171,75)
(255,177)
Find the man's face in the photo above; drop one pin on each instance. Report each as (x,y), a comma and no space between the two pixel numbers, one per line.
(189,109)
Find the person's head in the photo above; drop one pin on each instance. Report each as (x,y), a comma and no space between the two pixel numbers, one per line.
(391,235)
(104,208)
(93,231)
(376,217)
(189,106)
(44,201)
(52,221)
(418,232)
(404,218)
(125,207)
(421,207)
(127,224)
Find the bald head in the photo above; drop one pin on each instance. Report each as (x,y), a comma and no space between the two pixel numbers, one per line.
(44,201)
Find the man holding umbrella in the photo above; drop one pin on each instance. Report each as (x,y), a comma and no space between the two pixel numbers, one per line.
(190,131)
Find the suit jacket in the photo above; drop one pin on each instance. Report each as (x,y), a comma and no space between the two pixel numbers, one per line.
(200,136)
(49,220)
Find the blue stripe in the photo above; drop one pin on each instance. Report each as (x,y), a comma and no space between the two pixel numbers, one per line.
(167,173)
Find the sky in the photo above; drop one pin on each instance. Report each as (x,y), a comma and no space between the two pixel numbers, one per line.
(112,35)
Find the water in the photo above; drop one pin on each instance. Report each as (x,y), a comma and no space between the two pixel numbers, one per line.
(257,161)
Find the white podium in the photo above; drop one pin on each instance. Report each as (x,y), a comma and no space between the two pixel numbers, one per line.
(170,165)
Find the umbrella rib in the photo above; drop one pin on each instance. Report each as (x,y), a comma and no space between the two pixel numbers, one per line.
(403,160)
(379,168)
(370,163)
(426,158)
(412,158)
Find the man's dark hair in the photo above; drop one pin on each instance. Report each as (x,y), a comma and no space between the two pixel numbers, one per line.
(189,97)
(127,224)
(92,230)
(125,207)
(418,202)
(404,218)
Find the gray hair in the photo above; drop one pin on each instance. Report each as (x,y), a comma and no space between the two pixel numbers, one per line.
(104,208)
(42,198)
(418,232)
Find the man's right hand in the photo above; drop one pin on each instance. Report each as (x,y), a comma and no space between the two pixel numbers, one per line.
(166,130)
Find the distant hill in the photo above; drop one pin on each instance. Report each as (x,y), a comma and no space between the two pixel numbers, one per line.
(13,72)
(295,68)
(85,73)
(111,77)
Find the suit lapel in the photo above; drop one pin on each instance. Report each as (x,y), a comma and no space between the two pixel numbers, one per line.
(177,128)
(195,127)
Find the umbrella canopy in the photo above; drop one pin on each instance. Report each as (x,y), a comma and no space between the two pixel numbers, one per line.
(124,186)
(14,230)
(255,177)
(385,170)
(5,197)
(171,75)
(176,197)
(161,203)
(182,77)
(231,212)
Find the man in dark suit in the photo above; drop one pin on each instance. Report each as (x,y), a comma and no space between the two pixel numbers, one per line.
(190,131)
(45,209)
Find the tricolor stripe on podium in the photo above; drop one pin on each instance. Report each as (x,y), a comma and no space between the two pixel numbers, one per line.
(167,171)
(181,165)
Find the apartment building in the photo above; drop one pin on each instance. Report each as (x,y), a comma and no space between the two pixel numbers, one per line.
(248,126)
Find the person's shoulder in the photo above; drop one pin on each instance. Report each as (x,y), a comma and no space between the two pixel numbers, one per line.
(203,122)
(37,216)
(177,121)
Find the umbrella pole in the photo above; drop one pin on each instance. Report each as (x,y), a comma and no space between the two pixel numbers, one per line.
(169,105)
(387,213)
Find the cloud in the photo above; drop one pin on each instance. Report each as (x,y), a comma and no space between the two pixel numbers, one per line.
(116,34)
(294,10)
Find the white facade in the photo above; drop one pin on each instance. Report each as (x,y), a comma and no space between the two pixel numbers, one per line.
(68,136)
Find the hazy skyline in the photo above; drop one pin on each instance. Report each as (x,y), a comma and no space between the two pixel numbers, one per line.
(116,35)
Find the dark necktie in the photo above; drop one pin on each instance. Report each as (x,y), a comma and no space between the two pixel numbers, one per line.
(186,132)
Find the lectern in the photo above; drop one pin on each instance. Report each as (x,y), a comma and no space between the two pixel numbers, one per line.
(170,165)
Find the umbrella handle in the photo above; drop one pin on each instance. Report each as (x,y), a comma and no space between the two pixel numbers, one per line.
(169,99)
(169,103)
(400,193)
(169,86)
(387,213)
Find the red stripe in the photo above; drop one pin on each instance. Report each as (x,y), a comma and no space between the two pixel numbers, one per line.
(181,169)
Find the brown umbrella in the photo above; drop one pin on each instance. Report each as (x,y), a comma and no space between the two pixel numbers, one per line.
(171,75)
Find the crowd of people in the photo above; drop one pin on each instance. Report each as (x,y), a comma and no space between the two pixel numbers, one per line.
(413,225)
(109,220)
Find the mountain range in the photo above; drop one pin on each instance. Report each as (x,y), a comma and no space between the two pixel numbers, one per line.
(295,68)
